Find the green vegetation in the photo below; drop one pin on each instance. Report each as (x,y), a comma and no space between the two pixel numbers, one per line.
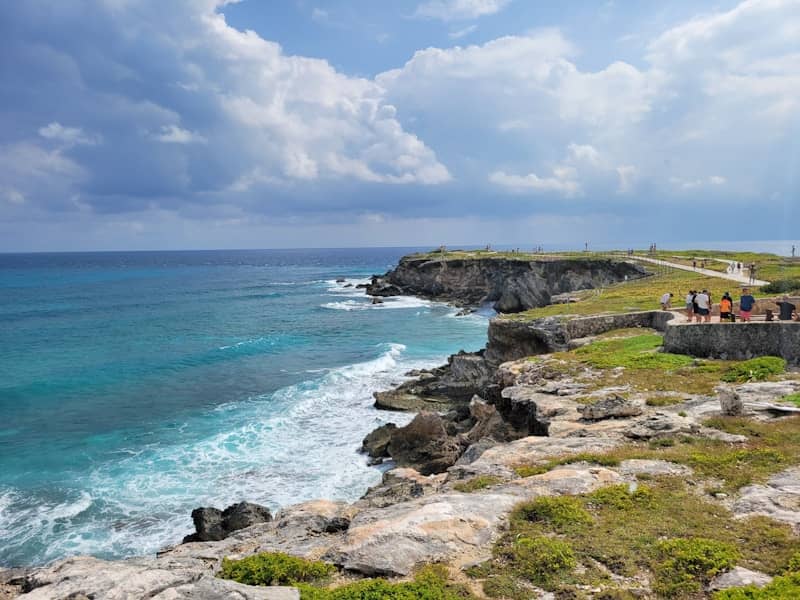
(274,568)
(637,352)
(477,483)
(665,529)
(768,266)
(686,564)
(755,369)
(782,286)
(793,398)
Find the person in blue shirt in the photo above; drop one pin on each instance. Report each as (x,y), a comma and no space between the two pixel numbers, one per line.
(746,303)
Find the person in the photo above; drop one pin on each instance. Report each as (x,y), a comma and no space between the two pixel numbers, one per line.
(725,307)
(785,309)
(703,307)
(746,304)
(694,264)
(666,298)
(690,304)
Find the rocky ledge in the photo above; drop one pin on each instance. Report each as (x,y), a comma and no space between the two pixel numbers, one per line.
(511,284)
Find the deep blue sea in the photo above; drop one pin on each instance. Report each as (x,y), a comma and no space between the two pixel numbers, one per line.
(136,386)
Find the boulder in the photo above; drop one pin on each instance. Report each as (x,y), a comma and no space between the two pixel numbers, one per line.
(730,402)
(488,423)
(608,408)
(376,300)
(424,445)
(212,524)
(376,443)
(738,577)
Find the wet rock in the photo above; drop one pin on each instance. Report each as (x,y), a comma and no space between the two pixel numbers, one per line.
(340,280)
(376,300)
(738,577)
(376,443)
(212,524)
(610,408)
(424,445)
(404,399)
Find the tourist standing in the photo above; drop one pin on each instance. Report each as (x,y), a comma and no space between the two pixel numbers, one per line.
(746,304)
(725,307)
(703,310)
(690,305)
(785,309)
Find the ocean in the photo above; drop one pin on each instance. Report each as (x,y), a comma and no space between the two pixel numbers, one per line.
(136,386)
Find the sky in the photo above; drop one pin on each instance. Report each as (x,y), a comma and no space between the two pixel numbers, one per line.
(181,124)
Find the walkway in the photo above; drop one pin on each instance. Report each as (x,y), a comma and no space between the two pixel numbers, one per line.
(736,276)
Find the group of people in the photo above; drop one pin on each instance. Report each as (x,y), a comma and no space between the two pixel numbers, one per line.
(699,305)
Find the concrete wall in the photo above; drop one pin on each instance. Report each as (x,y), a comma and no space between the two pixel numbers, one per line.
(735,341)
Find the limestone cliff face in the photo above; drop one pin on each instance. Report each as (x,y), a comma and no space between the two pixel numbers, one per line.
(512,285)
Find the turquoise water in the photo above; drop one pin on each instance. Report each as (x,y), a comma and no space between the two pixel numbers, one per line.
(137,386)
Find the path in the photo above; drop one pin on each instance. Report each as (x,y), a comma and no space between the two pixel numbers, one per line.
(736,276)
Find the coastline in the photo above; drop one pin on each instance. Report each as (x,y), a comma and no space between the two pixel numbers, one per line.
(536,414)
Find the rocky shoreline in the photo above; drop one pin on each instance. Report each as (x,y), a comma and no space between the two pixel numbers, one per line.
(481,418)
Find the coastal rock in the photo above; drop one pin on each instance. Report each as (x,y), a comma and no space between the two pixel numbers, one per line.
(738,577)
(404,398)
(660,425)
(377,300)
(86,577)
(779,499)
(212,524)
(608,408)
(401,485)
(376,443)
(512,285)
(489,423)
(730,402)
(424,445)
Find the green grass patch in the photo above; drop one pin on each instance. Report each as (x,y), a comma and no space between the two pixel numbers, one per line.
(477,483)
(636,352)
(560,512)
(793,398)
(755,369)
(685,565)
(665,400)
(663,529)
(604,460)
(275,568)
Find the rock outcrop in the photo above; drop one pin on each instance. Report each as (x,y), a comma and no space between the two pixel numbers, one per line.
(212,524)
(511,285)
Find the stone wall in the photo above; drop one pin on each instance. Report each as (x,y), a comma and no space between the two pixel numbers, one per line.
(736,341)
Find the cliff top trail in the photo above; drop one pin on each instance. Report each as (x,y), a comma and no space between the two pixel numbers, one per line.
(736,276)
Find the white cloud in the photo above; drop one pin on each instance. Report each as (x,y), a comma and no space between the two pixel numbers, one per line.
(69,136)
(172,134)
(459,33)
(319,15)
(690,184)
(452,10)
(563,181)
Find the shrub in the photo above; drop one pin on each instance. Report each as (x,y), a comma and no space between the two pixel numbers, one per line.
(755,369)
(686,564)
(541,559)
(781,286)
(274,568)
(621,497)
(558,511)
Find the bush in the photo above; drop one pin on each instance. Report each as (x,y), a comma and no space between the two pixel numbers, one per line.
(542,559)
(621,497)
(274,568)
(755,369)
(477,483)
(558,511)
(686,564)
(781,286)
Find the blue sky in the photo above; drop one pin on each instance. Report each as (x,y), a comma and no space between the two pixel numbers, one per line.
(143,124)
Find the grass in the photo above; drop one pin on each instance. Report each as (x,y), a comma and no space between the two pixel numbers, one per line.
(771,447)
(768,266)
(663,529)
(636,352)
(755,369)
(275,568)
(477,483)
(793,398)
(639,294)
(666,400)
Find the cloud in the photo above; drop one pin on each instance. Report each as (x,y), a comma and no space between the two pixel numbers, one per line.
(172,134)
(459,33)
(454,10)
(690,184)
(70,136)
(563,181)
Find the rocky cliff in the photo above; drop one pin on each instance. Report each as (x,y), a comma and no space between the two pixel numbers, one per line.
(512,285)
